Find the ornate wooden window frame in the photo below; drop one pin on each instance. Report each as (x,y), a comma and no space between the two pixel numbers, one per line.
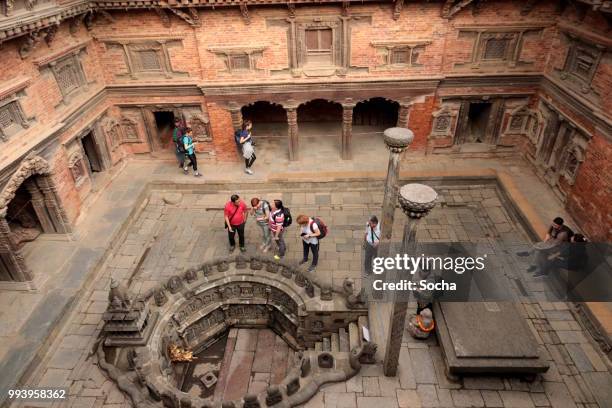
(388,48)
(253,53)
(10,96)
(576,46)
(515,35)
(341,26)
(70,56)
(160,45)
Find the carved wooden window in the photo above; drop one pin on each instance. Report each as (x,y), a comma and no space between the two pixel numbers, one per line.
(239,62)
(496,49)
(319,46)
(11,120)
(400,56)
(68,74)
(582,62)
(147,60)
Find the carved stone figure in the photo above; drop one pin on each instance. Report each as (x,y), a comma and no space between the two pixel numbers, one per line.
(160,298)
(309,288)
(273,395)
(251,401)
(241,262)
(325,360)
(222,266)
(326,292)
(174,284)
(305,366)
(118,296)
(293,385)
(256,264)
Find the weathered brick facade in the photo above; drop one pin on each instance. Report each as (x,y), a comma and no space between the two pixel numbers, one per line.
(534,81)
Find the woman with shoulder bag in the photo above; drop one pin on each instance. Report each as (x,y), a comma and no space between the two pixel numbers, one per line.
(248,151)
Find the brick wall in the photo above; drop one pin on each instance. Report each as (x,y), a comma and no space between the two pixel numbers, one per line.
(105,65)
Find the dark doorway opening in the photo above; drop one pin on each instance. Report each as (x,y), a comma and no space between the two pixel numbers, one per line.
(320,111)
(164,121)
(478,121)
(320,126)
(376,112)
(269,119)
(23,221)
(93,158)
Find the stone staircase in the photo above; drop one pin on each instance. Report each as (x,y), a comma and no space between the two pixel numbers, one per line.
(345,340)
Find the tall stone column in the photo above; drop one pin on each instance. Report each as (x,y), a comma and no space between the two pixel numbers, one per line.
(403,115)
(236,113)
(347,130)
(397,140)
(38,202)
(292,127)
(56,212)
(10,256)
(416,201)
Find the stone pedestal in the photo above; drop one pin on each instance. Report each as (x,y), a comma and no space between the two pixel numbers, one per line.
(416,201)
(126,322)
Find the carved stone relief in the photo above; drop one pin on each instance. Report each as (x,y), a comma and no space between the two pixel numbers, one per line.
(77,168)
(199,123)
(445,120)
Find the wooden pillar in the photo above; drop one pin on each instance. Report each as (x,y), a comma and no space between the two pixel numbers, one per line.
(292,126)
(56,212)
(38,202)
(403,115)
(236,113)
(347,131)
(13,265)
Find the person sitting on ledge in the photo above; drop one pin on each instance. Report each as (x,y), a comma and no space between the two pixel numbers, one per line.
(421,325)
(548,251)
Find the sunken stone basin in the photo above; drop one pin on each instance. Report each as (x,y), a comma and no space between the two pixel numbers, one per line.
(214,307)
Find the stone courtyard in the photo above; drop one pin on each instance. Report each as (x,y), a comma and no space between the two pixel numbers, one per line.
(170,226)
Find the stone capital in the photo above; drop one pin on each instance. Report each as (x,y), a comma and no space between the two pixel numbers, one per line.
(397,138)
(417,199)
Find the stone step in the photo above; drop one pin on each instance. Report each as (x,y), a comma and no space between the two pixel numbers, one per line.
(326,344)
(354,338)
(343,339)
(335,342)
(318,346)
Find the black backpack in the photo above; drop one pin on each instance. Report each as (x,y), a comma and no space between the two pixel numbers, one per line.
(288,219)
(180,146)
(237,138)
(322,227)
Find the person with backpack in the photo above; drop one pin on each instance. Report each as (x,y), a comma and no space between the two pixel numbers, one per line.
(235,214)
(261,210)
(189,146)
(280,218)
(313,230)
(248,152)
(371,242)
(177,136)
